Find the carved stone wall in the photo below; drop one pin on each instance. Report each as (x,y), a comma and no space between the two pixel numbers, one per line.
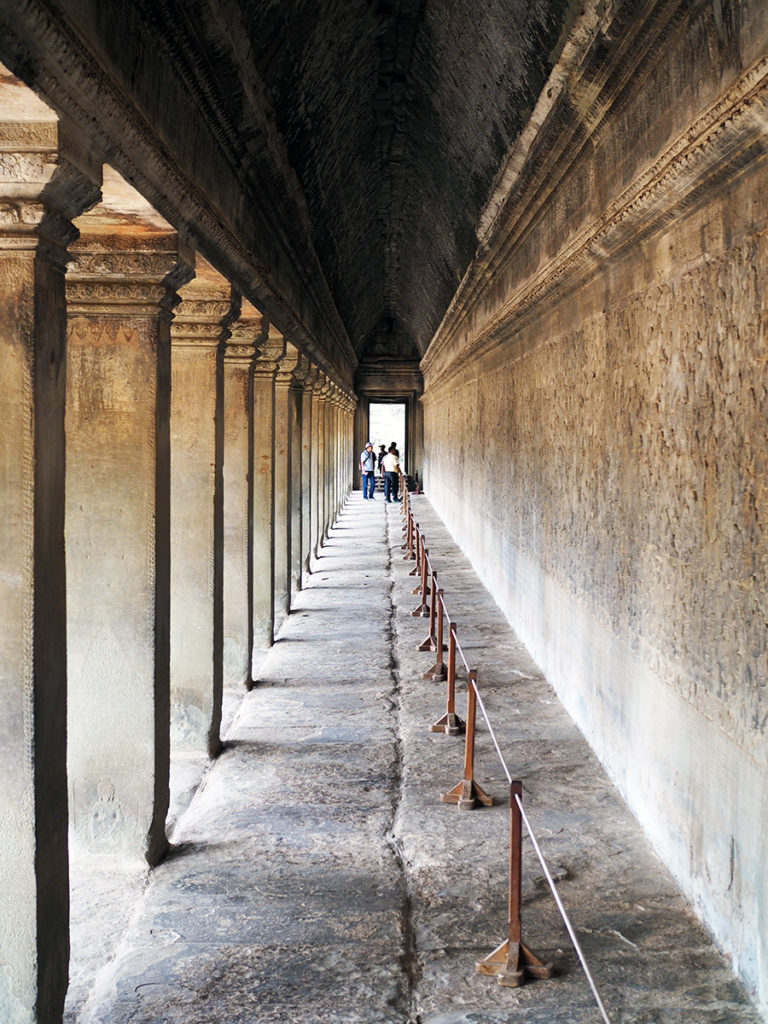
(596,437)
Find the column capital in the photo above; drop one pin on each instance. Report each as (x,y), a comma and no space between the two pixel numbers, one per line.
(245,333)
(287,364)
(312,380)
(271,351)
(125,272)
(205,311)
(322,386)
(301,372)
(41,189)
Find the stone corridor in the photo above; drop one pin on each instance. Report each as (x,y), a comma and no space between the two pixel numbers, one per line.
(315,877)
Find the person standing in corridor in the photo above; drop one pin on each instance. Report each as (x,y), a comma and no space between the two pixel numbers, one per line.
(391,466)
(368,470)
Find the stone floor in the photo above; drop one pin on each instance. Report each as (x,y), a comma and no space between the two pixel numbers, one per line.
(316,876)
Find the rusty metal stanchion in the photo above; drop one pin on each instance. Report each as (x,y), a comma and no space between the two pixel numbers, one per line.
(513,960)
(417,553)
(430,643)
(408,546)
(422,609)
(437,671)
(467,793)
(450,723)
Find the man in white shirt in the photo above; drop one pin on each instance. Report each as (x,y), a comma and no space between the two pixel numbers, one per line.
(391,466)
(368,469)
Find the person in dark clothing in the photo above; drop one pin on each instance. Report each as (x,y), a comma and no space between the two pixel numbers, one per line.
(391,466)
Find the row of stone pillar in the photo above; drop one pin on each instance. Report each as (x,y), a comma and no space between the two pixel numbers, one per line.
(166,478)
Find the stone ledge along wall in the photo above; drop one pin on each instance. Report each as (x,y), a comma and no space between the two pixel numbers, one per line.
(596,438)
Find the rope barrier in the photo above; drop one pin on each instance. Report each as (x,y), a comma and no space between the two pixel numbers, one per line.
(512,960)
(492,733)
(563,914)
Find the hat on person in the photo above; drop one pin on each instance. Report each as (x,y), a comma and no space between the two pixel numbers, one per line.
(369,444)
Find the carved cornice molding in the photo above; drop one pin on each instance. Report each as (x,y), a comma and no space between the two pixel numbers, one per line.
(312,380)
(103,279)
(712,150)
(287,365)
(272,350)
(238,355)
(247,335)
(300,373)
(41,191)
(206,310)
(323,388)
(36,38)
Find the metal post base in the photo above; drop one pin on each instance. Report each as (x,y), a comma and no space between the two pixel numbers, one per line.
(466,795)
(450,724)
(511,962)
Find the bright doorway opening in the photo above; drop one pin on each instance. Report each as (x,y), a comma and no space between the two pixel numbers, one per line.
(386,423)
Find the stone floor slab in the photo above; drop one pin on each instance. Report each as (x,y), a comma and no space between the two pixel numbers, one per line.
(316,878)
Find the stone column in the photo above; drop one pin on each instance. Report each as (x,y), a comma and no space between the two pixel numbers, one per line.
(335,409)
(263,492)
(121,289)
(308,466)
(322,474)
(284,406)
(298,472)
(41,192)
(347,459)
(197,334)
(328,476)
(239,354)
(360,436)
(317,462)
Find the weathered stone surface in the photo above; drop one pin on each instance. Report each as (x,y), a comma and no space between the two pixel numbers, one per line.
(40,190)
(239,355)
(318,878)
(197,497)
(120,290)
(595,430)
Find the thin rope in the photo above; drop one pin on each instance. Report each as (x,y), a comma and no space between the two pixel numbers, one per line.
(563,914)
(461,655)
(490,730)
(537,848)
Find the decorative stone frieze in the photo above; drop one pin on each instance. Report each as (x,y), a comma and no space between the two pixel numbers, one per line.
(41,190)
(198,334)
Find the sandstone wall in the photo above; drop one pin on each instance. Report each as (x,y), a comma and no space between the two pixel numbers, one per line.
(596,438)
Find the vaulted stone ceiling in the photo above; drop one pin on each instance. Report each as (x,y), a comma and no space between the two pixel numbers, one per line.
(349,145)
(395,116)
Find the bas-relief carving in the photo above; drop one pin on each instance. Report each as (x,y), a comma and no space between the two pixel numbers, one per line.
(95,389)
(106,819)
(15,1006)
(189,724)
(637,476)
(235,655)
(575,236)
